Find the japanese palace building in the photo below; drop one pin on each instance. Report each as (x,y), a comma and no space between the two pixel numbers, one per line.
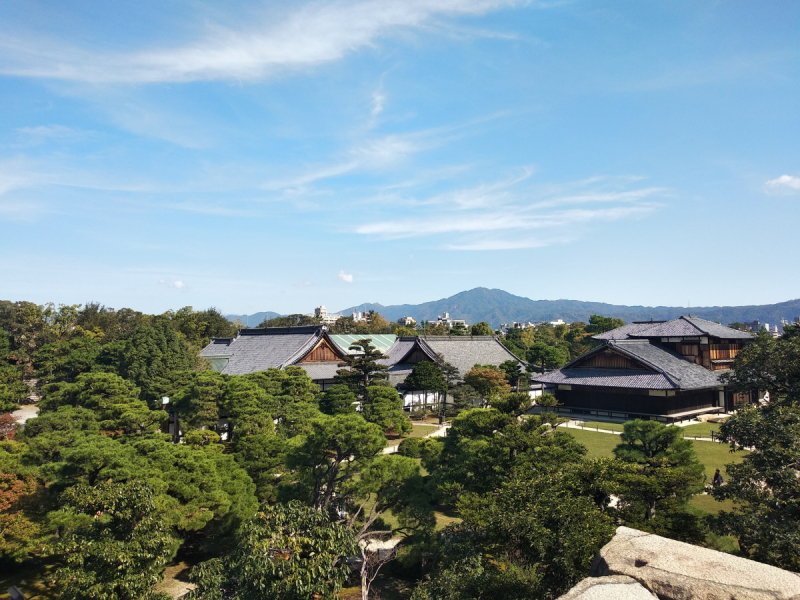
(663,370)
(319,353)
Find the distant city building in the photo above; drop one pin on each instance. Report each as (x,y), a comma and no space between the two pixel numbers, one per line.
(326,319)
(359,317)
(448,322)
(753,326)
(407,321)
(558,322)
(505,327)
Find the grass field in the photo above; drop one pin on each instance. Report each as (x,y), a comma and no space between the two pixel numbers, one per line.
(595,425)
(712,454)
(700,430)
(695,430)
(708,505)
(417,430)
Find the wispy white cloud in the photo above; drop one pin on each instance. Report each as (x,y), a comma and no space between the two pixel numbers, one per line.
(501,216)
(173,283)
(379,153)
(313,34)
(37,134)
(346,277)
(506,219)
(783,184)
(378,102)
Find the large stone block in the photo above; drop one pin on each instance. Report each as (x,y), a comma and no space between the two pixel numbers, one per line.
(677,571)
(613,587)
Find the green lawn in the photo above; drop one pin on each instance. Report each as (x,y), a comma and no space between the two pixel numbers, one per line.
(597,444)
(417,430)
(595,425)
(696,430)
(712,454)
(708,505)
(700,430)
(421,430)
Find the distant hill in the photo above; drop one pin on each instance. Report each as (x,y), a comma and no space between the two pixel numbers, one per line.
(497,306)
(254,319)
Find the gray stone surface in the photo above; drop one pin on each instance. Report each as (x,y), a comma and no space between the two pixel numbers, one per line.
(675,570)
(613,587)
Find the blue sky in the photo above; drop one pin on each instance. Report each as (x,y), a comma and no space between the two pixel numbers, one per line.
(277,156)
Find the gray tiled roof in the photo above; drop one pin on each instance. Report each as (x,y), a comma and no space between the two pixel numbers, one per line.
(624,332)
(319,371)
(464,352)
(680,327)
(398,373)
(398,351)
(681,373)
(258,350)
(619,378)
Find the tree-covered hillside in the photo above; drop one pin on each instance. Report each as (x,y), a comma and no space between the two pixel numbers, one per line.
(497,306)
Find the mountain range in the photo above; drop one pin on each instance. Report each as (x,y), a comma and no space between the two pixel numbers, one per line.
(253,320)
(497,306)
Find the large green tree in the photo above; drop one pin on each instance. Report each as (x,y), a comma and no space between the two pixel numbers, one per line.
(484,447)
(287,552)
(601,324)
(66,359)
(114,401)
(481,328)
(532,537)
(384,407)
(153,352)
(667,474)
(332,453)
(547,356)
(113,542)
(765,485)
(199,326)
(361,368)
(338,399)
(427,376)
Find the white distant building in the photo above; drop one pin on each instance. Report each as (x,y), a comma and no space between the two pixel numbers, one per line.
(407,321)
(448,322)
(359,317)
(326,319)
(559,322)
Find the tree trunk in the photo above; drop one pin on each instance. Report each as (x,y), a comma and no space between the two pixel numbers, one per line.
(364,581)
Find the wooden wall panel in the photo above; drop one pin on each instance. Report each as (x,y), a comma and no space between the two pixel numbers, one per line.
(321,353)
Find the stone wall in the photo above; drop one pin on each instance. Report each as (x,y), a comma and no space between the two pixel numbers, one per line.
(635,565)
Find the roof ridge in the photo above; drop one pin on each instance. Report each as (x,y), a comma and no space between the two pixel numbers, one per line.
(304,349)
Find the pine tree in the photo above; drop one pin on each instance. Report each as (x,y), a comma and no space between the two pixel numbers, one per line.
(362,368)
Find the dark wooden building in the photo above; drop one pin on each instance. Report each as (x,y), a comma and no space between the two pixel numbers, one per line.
(666,370)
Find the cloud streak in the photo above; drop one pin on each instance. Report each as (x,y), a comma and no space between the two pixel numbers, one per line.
(500,216)
(314,34)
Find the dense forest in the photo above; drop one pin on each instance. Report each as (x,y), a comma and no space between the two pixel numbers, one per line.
(273,489)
